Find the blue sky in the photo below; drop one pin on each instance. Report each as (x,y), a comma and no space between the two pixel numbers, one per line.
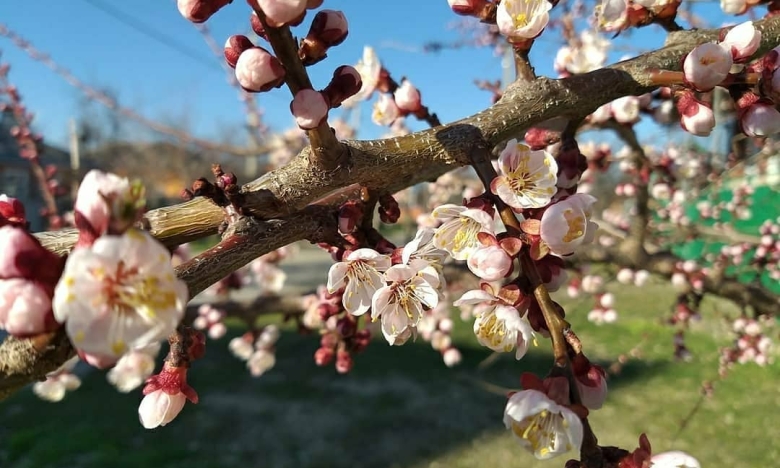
(171,86)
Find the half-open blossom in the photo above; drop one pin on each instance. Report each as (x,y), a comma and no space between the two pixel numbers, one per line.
(522,19)
(119,294)
(361,272)
(527,178)
(309,108)
(566,225)
(385,110)
(281,12)
(11,212)
(490,262)
(707,65)
(742,41)
(458,232)
(407,97)
(542,426)
(258,71)
(107,203)
(761,119)
(165,395)
(503,329)
(400,304)
(591,380)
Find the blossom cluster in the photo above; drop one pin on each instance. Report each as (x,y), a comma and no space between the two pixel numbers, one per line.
(752,343)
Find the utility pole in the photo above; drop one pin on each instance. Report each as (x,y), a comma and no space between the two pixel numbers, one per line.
(75,159)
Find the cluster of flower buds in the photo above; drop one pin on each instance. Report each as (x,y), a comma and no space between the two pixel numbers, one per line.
(752,343)
(689,276)
(257,348)
(340,340)
(134,368)
(436,328)
(617,15)
(686,308)
(724,64)
(737,207)
(210,319)
(587,53)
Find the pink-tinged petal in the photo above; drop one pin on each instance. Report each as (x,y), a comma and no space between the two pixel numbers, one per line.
(475,296)
(25,308)
(337,275)
(400,273)
(381,301)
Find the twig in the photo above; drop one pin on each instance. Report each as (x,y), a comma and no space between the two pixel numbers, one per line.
(326,151)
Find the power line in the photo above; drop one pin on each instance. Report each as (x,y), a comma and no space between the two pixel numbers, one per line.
(162,38)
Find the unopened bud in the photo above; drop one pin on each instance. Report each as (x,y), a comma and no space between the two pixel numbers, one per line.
(258,71)
(346,82)
(309,108)
(323,356)
(199,11)
(234,46)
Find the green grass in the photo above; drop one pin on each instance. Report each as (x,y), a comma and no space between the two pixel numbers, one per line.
(401,407)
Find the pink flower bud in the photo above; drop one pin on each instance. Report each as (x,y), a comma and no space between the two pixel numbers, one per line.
(199,11)
(707,66)
(467,7)
(309,108)
(282,11)
(344,362)
(591,382)
(11,212)
(234,46)
(25,308)
(324,356)
(490,263)
(696,117)
(760,119)
(258,71)
(742,41)
(329,28)
(158,408)
(346,82)
(407,97)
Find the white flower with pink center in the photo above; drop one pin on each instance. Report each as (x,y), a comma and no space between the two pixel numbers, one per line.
(542,426)
(522,19)
(458,232)
(527,178)
(566,225)
(119,294)
(361,273)
(707,66)
(400,304)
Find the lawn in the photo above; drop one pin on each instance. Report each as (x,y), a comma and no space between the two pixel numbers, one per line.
(401,407)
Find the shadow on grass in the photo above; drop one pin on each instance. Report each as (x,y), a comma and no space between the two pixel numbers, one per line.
(398,407)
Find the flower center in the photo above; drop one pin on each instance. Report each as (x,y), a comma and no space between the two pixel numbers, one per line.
(541,430)
(494,331)
(576,225)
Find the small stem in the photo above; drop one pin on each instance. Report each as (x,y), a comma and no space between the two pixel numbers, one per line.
(326,150)
(523,66)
